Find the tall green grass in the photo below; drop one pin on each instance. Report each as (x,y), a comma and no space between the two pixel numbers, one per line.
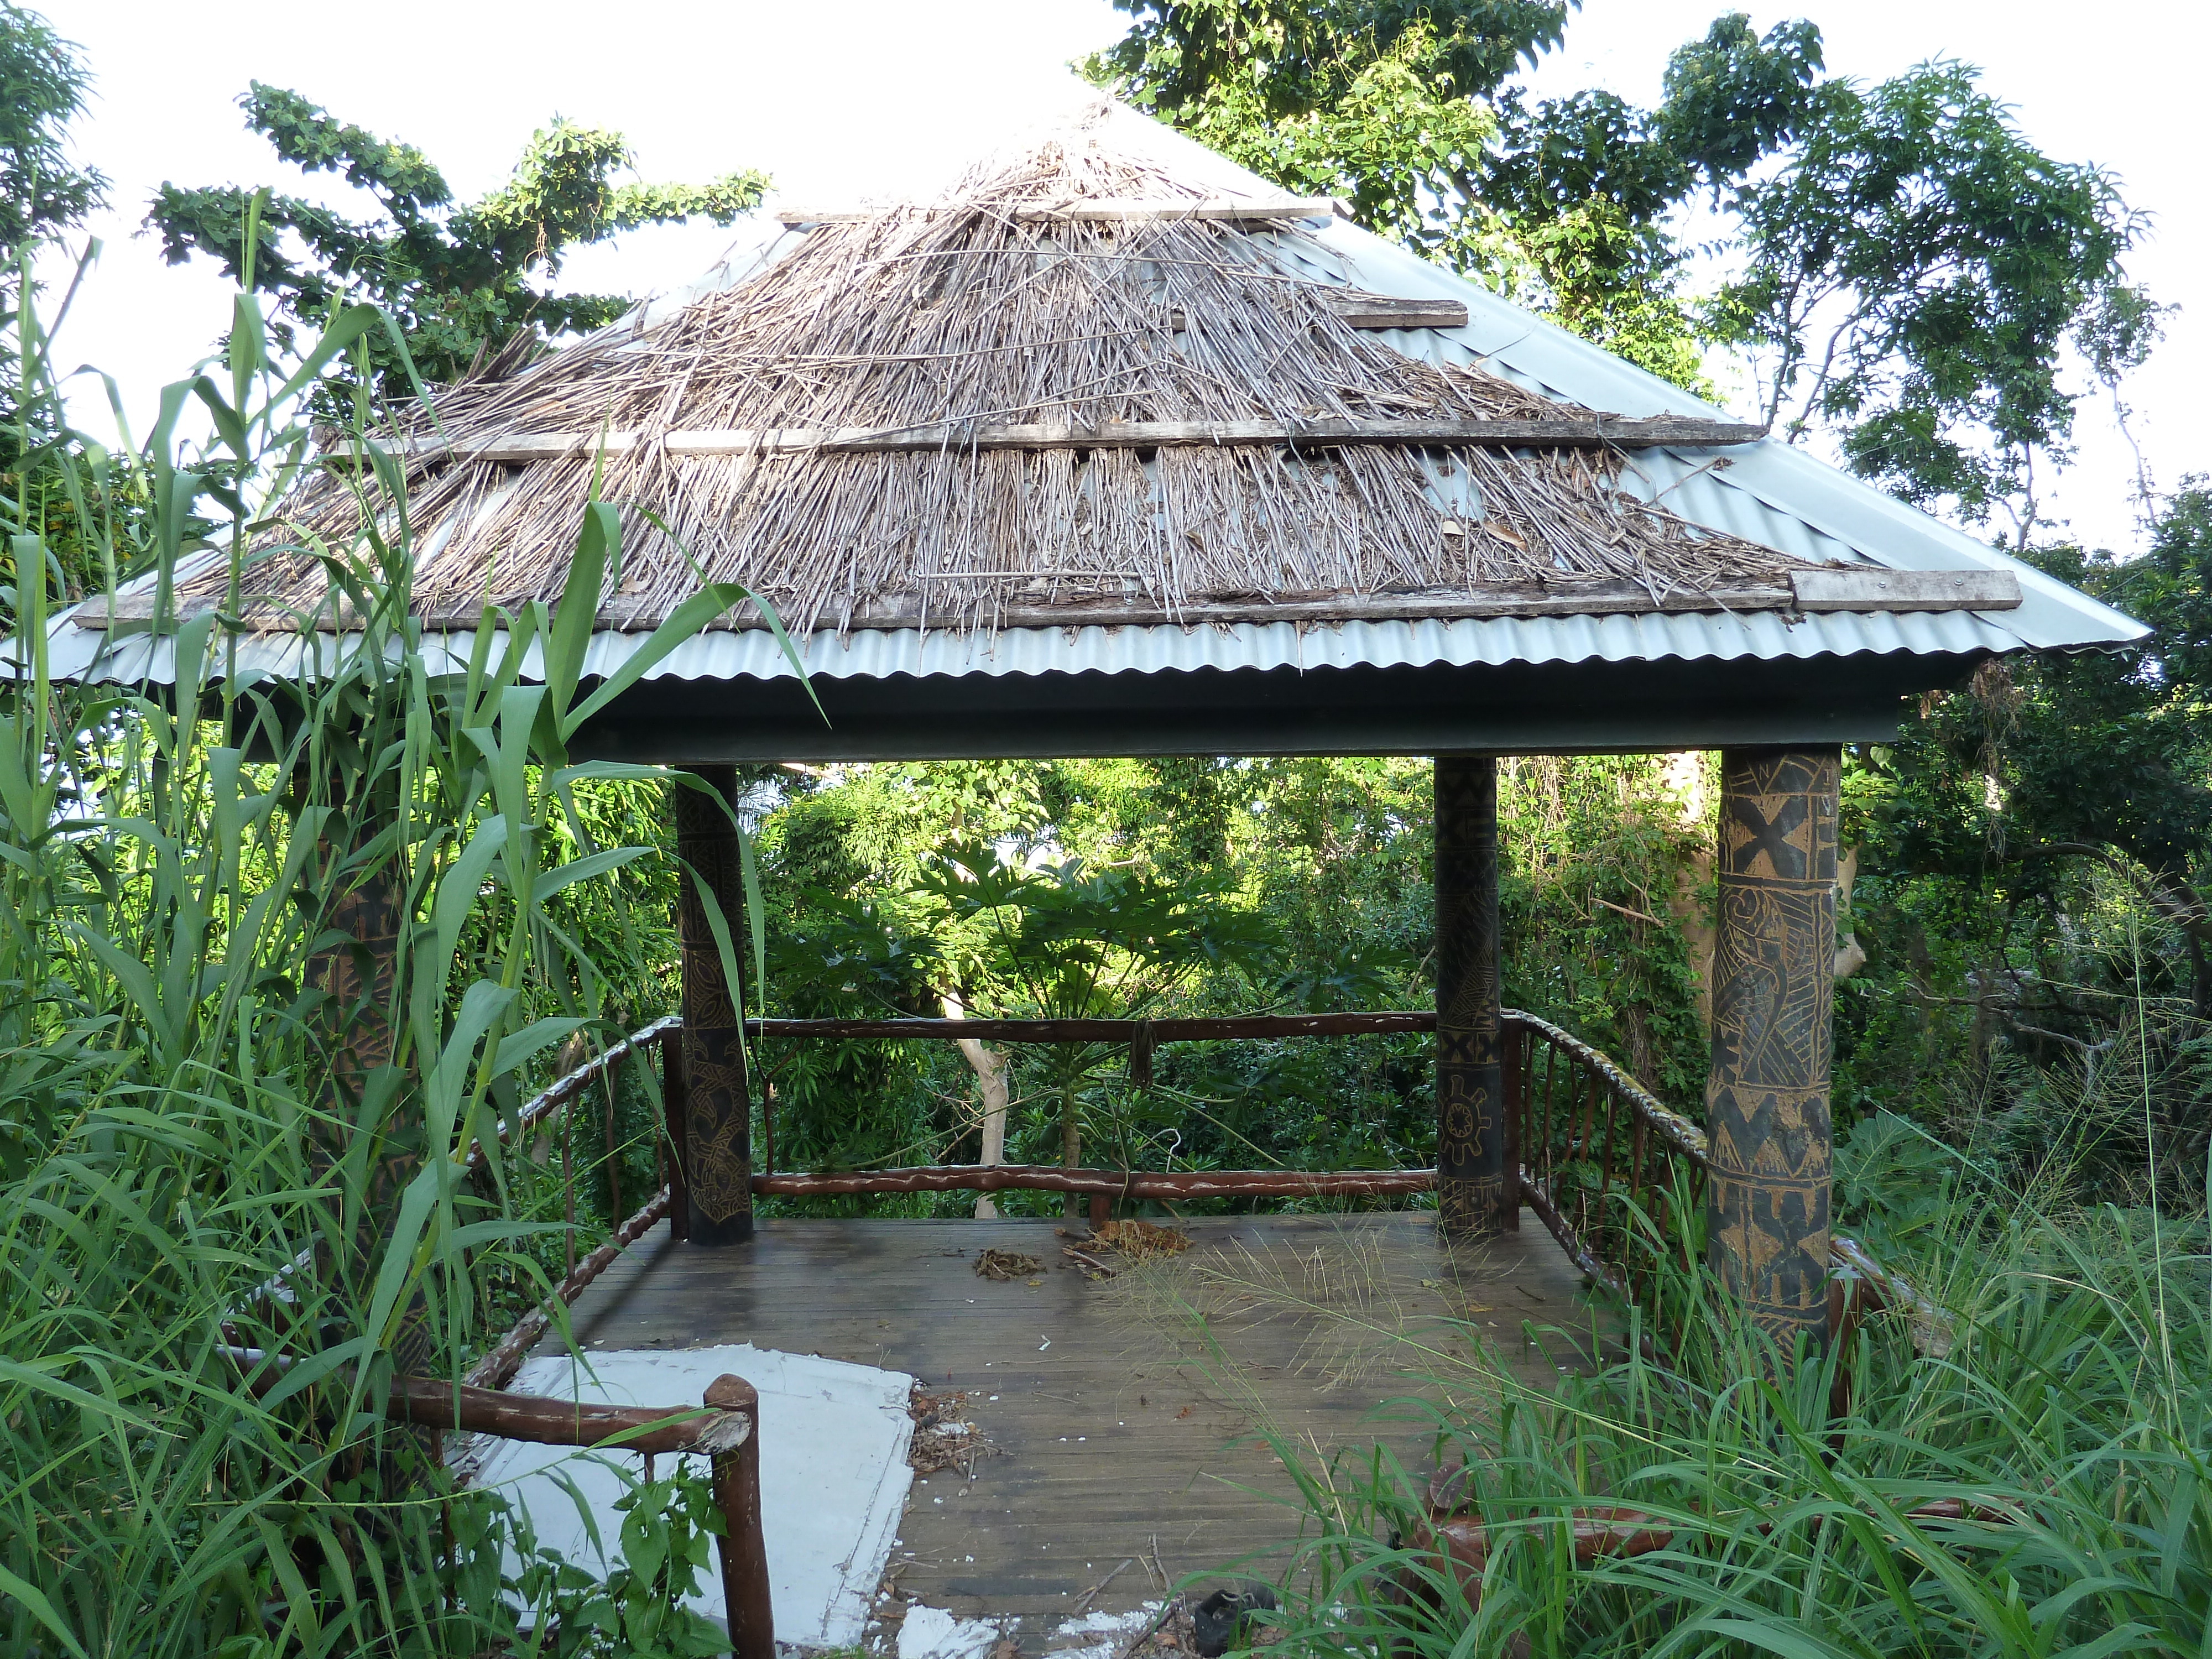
(196,1154)
(2068,1422)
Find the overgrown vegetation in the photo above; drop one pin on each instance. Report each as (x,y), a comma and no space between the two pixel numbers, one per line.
(468,282)
(214,1081)
(277,954)
(2038,1482)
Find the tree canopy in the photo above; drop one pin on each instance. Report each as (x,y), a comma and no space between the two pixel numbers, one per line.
(42,85)
(1902,268)
(464,280)
(1915,275)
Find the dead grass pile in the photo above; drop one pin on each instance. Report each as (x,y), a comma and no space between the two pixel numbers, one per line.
(1141,1239)
(1002,1265)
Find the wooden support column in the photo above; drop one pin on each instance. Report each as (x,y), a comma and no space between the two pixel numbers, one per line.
(1773,986)
(1478,1191)
(717,1103)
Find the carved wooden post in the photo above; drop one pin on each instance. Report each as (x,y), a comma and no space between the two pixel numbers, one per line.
(1477,1191)
(1766,1105)
(717,1140)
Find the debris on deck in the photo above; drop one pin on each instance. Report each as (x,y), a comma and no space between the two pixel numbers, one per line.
(1138,1239)
(944,1436)
(1005,1265)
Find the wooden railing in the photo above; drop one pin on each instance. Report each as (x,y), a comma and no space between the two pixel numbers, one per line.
(1588,1133)
(725,1429)
(1586,1136)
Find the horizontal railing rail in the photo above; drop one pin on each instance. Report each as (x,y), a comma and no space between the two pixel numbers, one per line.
(724,1428)
(1108,1183)
(1209,1028)
(1584,1133)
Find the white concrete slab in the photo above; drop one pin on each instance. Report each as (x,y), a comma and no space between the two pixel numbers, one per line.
(935,1633)
(834,1474)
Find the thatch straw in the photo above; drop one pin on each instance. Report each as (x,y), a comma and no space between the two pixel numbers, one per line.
(961,312)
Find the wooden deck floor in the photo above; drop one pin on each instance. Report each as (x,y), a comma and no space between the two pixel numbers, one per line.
(1127,1432)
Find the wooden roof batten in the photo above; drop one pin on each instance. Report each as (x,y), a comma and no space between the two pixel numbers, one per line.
(1099,209)
(1668,431)
(1867,589)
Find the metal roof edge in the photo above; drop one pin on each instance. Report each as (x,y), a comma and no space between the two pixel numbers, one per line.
(1493,643)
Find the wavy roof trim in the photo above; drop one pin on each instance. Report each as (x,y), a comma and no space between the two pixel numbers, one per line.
(966,313)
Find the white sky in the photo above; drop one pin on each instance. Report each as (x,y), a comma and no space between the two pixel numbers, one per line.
(877,97)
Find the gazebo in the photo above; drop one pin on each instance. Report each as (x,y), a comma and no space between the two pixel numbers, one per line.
(1116,450)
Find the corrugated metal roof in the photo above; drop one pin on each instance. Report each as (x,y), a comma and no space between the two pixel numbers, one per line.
(1770,493)
(81,654)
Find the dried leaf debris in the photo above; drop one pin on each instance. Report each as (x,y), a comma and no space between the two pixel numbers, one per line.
(1001,1266)
(1139,1239)
(944,1436)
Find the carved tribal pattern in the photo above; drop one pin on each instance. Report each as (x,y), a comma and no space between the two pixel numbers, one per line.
(718,1129)
(1475,1192)
(1766,1104)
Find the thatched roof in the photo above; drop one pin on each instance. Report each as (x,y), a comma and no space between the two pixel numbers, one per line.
(716,429)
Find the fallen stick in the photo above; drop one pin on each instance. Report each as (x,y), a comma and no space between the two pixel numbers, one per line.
(1083,1601)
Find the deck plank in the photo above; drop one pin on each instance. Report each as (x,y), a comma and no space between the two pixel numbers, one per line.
(1115,1444)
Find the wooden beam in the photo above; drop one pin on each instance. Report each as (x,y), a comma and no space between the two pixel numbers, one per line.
(1099,209)
(1174,1185)
(1869,588)
(1373,310)
(1600,432)
(1856,588)
(1213,1028)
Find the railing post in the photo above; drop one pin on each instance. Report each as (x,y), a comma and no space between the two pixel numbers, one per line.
(745,1546)
(1475,1194)
(675,1111)
(1766,1104)
(1513,1047)
(608,1076)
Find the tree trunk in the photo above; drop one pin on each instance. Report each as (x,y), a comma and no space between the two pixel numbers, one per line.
(1850,955)
(1070,1145)
(990,1068)
(1684,776)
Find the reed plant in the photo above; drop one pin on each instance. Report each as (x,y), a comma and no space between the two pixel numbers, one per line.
(283,936)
